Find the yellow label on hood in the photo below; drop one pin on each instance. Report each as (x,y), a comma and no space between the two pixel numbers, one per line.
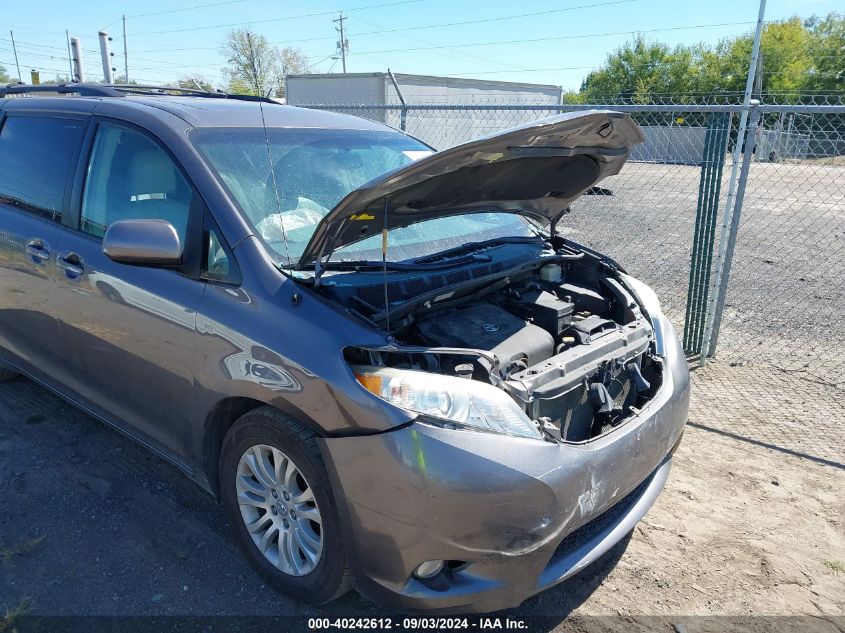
(362,216)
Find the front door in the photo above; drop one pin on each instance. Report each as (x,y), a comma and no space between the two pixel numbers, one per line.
(130,329)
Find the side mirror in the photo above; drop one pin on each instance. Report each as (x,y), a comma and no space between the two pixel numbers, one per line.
(143,242)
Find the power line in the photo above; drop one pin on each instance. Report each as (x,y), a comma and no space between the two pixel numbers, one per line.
(320,62)
(553,38)
(381,31)
(42,46)
(290,17)
(459,55)
(40,68)
(465,22)
(166,11)
(198,6)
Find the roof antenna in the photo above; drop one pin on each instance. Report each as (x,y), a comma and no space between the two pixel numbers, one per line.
(275,185)
(384,267)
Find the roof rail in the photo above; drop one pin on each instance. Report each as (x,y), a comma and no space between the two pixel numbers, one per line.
(121,90)
(152,90)
(84,90)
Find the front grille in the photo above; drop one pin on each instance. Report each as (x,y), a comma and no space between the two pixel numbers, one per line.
(609,517)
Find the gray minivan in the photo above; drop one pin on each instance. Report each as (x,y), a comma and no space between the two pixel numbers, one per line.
(386,361)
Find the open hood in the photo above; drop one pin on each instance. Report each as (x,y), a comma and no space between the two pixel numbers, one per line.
(537,170)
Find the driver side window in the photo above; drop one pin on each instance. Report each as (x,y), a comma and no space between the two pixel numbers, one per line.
(130,177)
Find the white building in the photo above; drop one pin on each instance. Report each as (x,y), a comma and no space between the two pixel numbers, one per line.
(377,88)
(368,94)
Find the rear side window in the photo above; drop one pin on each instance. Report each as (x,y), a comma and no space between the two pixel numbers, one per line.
(37,157)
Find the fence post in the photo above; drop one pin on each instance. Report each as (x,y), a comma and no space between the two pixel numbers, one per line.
(716,305)
(403,112)
(701,258)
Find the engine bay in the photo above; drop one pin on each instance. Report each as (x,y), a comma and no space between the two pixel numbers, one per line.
(556,329)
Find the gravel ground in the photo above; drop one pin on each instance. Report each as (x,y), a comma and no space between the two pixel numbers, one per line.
(782,341)
(93,524)
(785,298)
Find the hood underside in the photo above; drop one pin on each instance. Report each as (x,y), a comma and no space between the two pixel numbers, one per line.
(536,170)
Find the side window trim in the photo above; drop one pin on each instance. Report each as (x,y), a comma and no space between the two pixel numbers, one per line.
(74,210)
(210,226)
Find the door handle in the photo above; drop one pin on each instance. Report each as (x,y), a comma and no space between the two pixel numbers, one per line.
(71,263)
(37,249)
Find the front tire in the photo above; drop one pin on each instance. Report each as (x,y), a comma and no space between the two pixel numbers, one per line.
(281,506)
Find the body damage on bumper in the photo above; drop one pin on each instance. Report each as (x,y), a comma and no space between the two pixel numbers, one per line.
(501,503)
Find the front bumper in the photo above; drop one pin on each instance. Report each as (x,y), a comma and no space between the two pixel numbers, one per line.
(524,514)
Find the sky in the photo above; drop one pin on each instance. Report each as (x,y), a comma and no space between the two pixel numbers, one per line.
(540,41)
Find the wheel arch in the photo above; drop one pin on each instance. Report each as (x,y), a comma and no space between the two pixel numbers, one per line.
(220,419)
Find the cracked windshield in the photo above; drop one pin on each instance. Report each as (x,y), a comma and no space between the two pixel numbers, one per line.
(313,170)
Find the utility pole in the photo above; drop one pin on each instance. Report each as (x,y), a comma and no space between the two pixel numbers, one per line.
(69,56)
(343,43)
(105,56)
(78,70)
(15,51)
(125,54)
(758,77)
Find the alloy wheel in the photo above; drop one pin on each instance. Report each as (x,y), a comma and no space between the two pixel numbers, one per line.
(279,510)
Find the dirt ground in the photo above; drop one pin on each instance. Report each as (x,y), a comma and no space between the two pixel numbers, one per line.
(92,524)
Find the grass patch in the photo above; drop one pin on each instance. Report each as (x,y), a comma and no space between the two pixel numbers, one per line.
(7,620)
(9,554)
(835,565)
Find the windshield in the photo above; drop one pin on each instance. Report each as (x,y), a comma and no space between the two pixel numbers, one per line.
(313,169)
(432,236)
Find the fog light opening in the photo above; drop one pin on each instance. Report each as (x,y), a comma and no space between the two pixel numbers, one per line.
(428,569)
(456,565)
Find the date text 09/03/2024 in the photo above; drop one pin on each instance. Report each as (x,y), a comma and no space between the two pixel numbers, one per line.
(417,623)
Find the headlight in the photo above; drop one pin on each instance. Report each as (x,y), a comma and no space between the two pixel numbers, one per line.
(465,402)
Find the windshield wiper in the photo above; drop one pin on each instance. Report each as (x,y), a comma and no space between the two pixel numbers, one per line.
(471,247)
(414,265)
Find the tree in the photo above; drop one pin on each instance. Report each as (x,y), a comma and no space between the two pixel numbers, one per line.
(797,57)
(639,69)
(4,76)
(294,61)
(57,80)
(255,67)
(195,82)
(787,60)
(827,49)
(252,64)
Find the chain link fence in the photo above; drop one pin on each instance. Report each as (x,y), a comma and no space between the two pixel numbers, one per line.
(778,367)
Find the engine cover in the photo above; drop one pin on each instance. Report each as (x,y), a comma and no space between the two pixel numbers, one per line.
(489,327)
